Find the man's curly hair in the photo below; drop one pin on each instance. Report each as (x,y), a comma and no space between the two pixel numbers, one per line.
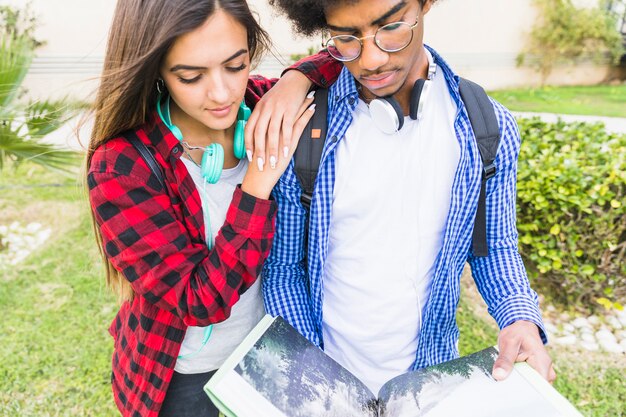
(308,16)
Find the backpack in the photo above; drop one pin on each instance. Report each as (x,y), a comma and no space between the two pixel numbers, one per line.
(482,119)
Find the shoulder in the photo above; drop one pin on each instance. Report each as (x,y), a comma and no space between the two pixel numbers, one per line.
(289,180)
(506,120)
(345,83)
(510,139)
(509,143)
(116,154)
(257,86)
(118,157)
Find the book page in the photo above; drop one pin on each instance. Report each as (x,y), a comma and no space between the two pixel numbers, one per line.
(296,377)
(242,399)
(222,385)
(541,385)
(465,387)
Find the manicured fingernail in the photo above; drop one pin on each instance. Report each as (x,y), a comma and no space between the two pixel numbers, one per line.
(259,163)
(272,161)
(311,94)
(249,154)
(311,107)
(499,374)
(286,151)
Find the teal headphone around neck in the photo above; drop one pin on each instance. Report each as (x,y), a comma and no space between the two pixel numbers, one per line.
(211,167)
(213,157)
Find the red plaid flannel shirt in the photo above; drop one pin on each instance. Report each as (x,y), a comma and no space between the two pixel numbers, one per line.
(155,237)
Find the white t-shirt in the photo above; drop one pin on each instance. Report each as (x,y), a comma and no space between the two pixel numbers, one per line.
(390,204)
(247,312)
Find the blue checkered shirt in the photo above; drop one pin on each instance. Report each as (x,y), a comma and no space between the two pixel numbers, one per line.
(295,291)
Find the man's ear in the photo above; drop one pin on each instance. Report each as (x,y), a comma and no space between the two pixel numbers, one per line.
(427,6)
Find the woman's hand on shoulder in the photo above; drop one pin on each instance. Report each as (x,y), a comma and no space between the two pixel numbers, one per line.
(260,179)
(270,130)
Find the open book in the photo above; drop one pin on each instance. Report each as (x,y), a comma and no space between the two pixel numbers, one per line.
(276,372)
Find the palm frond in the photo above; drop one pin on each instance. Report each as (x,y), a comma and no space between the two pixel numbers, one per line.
(45,116)
(22,127)
(17,149)
(16,54)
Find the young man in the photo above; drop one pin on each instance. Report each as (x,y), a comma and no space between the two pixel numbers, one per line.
(392,214)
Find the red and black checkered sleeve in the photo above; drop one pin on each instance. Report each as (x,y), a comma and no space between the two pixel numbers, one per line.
(321,68)
(152,248)
(257,86)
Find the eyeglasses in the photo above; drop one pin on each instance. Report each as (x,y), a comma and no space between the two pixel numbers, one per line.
(392,37)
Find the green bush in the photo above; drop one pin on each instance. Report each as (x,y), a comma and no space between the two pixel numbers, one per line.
(572,210)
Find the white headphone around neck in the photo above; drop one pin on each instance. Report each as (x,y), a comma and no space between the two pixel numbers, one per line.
(386,111)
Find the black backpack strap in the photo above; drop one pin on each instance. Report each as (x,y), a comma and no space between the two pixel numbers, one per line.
(145,153)
(309,151)
(485,125)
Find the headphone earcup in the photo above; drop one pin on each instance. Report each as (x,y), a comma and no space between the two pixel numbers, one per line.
(212,163)
(244,112)
(239,142)
(387,114)
(416,96)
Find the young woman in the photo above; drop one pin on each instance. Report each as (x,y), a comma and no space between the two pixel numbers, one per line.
(184,251)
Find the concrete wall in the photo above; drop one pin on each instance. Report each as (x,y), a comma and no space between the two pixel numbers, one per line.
(479,38)
(76,33)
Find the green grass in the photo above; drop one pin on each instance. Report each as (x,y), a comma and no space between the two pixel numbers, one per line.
(55,345)
(600,100)
(56,350)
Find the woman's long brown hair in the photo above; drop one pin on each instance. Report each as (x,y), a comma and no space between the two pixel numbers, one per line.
(141,34)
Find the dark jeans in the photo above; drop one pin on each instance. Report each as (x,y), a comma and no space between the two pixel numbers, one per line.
(186,398)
